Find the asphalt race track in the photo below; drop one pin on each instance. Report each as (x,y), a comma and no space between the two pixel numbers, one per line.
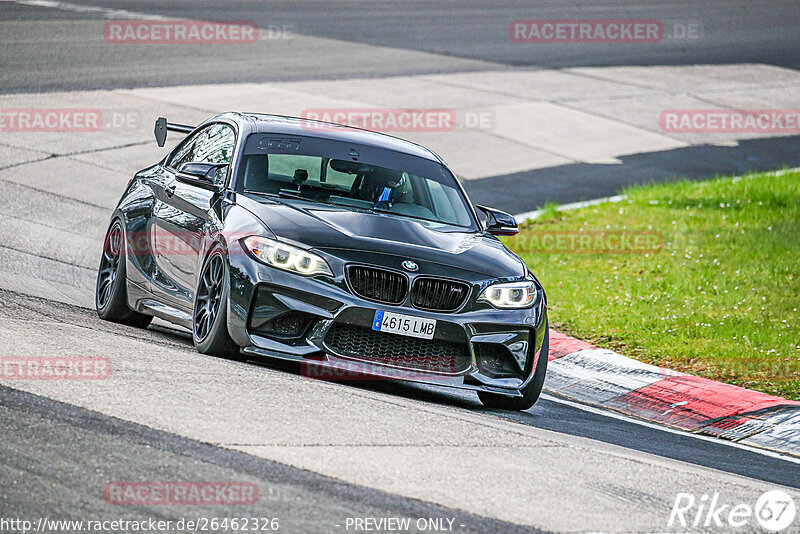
(323,452)
(473,37)
(59,456)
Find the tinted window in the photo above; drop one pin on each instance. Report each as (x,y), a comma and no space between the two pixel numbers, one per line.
(357,185)
(212,144)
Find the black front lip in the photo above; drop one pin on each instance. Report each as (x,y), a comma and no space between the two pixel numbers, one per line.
(330,299)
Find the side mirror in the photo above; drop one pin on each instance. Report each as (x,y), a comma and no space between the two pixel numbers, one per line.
(200,174)
(499,222)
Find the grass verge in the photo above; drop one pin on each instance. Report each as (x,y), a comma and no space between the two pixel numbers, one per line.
(700,277)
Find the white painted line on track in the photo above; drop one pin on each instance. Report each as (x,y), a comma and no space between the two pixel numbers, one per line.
(111,13)
(627,419)
(106,12)
(617,198)
(571,206)
(608,413)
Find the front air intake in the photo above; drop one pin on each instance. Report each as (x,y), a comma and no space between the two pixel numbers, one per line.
(380,285)
(365,344)
(438,295)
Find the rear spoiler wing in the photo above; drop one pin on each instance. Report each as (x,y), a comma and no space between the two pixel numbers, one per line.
(162,127)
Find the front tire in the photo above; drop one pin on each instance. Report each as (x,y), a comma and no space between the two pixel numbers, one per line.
(111,294)
(210,315)
(531,392)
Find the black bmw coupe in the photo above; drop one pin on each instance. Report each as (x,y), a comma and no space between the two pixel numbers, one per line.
(343,249)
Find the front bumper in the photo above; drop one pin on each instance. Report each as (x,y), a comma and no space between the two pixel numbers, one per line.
(283,315)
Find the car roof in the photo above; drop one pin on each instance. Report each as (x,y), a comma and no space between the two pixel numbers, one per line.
(281,124)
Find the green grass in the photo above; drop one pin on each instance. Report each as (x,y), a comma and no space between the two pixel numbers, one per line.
(720,298)
(549,211)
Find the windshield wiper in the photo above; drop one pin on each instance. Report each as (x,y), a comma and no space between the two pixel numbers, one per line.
(432,221)
(291,194)
(390,212)
(282,194)
(259,193)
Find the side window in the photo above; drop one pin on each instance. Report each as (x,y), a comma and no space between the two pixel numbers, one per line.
(212,144)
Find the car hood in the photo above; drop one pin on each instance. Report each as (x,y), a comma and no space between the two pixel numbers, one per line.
(332,228)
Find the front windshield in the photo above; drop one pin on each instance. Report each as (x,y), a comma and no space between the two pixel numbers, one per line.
(357,185)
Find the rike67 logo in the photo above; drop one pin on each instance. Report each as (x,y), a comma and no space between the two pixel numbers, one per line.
(774,511)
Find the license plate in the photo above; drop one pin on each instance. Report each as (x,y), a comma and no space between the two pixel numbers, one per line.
(405,325)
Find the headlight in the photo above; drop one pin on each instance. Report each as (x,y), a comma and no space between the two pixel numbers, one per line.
(510,295)
(286,257)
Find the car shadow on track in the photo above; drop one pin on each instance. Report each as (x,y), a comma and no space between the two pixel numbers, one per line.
(549,414)
(443,396)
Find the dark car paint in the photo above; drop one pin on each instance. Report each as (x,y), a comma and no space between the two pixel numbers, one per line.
(331,227)
(163,284)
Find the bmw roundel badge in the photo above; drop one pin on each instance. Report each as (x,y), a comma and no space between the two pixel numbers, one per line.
(410,265)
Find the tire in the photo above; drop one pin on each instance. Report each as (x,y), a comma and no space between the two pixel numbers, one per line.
(111,294)
(531,392)
(210,312)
